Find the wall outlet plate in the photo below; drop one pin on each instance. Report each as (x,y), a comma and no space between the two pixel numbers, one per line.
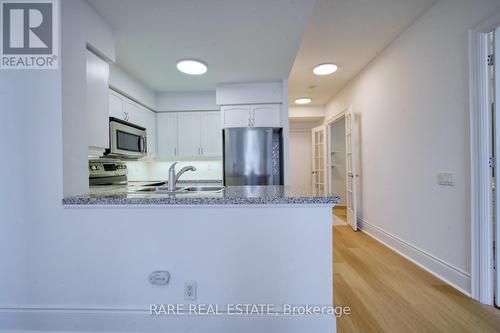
(159,278)
(190,290)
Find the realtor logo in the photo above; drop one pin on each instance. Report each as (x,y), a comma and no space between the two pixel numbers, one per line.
(29,34)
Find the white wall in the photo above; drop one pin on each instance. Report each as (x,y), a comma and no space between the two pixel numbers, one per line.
(413,106)
(298,112)
(158,170)
(127,84)
(186,101)
(80,25)
(300,157)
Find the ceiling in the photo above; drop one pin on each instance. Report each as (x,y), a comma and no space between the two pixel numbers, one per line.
(349,33)
(239,40)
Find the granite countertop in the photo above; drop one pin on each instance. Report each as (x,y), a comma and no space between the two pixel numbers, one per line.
(231,195)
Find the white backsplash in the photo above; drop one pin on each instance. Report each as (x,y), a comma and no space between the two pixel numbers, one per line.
(158,170)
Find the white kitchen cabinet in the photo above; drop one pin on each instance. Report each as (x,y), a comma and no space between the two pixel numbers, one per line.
(97,103)
(166,134)
(266,115)
(115,105)
(211,134)
(124,108)
(236,116)
(188,132)
(148,120)
(260,115)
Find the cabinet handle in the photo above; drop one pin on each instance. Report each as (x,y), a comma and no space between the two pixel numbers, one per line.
(249,122)
(201,150)
(175,151)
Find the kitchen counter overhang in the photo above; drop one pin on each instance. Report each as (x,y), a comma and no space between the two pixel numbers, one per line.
(232,195)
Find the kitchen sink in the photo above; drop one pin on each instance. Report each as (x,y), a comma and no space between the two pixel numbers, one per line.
(190,189)
(204,188)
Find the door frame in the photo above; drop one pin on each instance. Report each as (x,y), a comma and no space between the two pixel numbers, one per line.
(480,131)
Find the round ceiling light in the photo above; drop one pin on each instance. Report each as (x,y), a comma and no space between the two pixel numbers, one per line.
(192,67)
(303,100)
(325,69)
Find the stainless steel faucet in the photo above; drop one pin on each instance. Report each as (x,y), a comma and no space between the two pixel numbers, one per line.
(173,178)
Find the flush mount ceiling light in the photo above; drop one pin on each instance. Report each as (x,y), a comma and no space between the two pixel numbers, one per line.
(303,100)
(192,67)
(325,69)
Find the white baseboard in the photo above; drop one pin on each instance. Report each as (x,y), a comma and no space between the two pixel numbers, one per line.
(444,271)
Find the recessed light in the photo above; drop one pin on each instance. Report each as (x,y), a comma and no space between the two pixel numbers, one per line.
(325,69)
(192,67)
(303,100)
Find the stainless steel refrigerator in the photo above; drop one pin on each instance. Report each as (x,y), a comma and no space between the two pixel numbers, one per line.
(253,156)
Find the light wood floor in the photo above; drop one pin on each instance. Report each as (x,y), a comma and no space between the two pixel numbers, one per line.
(340,212)
(388,293)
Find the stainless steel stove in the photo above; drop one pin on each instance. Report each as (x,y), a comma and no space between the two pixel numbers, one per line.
(107,172)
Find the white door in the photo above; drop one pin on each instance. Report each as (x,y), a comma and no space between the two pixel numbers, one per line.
(318,179)
(211,134)
(166,134)
(236,116)
(351,168)
(188,133)
(266,115)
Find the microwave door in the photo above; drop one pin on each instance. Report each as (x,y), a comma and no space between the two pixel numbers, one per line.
(127,140)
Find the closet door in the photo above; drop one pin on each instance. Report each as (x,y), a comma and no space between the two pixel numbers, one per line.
(318,180)
(351,166)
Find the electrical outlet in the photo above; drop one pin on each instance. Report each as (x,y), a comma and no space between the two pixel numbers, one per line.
(190,290)
(446,179)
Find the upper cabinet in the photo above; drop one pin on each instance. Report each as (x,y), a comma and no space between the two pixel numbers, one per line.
(166,133)
(211,134)
(124,108)
(189,134)
(97,103)
(259,115)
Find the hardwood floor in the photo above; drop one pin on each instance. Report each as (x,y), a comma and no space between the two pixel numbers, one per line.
(340,212)
(388,293)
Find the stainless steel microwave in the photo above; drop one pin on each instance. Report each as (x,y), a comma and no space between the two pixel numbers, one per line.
(126,139)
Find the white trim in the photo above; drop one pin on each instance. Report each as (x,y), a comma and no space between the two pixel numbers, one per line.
(481,191)
(444,271)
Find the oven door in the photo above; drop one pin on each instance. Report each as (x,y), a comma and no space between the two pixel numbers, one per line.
(126,140)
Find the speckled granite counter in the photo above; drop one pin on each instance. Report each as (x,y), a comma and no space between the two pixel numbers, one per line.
(232,195)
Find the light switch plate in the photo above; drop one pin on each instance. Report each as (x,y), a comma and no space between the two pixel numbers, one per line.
(446,179)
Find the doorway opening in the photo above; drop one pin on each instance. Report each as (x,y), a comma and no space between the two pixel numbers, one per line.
(342,165)
(337,172)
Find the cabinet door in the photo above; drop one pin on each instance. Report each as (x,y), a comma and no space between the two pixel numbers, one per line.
(166,134)
(188,133)
(236,116)
(131,112)
(211,134)
(97,102)
(266,115)
(148,120)
(115,104)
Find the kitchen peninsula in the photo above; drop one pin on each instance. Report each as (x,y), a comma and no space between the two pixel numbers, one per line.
(242,245)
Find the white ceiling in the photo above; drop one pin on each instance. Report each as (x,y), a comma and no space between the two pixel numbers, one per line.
(239,40)
(348,33)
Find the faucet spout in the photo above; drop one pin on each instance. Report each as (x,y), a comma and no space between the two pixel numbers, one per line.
(173,178)
(181,171)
